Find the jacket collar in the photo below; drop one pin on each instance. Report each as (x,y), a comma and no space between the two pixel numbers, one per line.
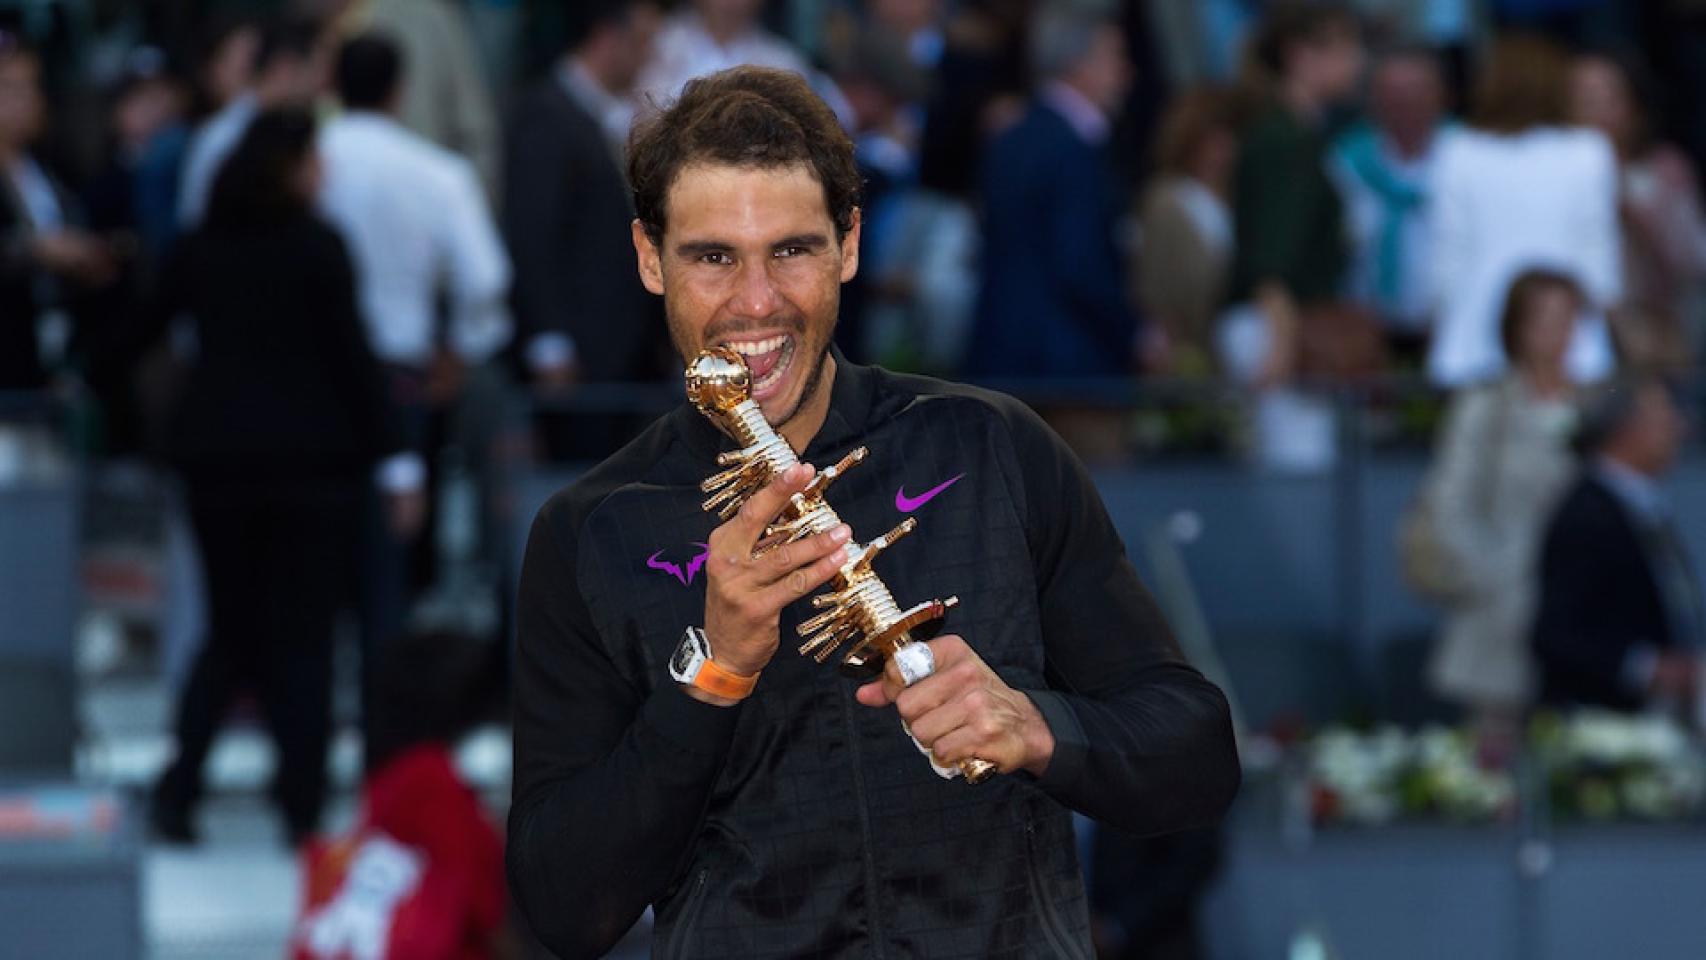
(850,400)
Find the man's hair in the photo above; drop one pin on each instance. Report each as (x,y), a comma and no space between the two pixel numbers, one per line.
(585,17)
(1062,34)
(288,39)
(750,117)
(370,68)
(1289,24)
(1607,409)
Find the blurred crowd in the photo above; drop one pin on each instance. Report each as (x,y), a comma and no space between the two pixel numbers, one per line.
(302,251)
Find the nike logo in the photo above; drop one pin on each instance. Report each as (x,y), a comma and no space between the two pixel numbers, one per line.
(675,570)
(906,504)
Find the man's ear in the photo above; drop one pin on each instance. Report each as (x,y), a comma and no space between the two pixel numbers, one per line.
(649,257)
(850,249)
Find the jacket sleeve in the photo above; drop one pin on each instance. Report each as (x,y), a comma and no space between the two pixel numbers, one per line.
(354,369)
(1142,741)
(611,783)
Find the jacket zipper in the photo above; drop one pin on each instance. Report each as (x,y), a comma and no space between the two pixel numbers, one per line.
(1053,931)
(873,906)
(689,913)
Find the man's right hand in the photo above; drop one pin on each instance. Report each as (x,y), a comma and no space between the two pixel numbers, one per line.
(744,597)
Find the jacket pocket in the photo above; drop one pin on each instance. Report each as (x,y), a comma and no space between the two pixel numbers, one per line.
(1055,931)
(682,936)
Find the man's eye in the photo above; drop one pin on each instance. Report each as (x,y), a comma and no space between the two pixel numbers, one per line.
(719,259)
(792,251)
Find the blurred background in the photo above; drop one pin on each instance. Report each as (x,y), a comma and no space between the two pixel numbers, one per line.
(1380,325)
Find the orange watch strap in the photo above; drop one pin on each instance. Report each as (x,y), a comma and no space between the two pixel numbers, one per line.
(714,679)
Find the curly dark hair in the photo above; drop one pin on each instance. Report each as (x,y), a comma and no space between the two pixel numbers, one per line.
(752,117)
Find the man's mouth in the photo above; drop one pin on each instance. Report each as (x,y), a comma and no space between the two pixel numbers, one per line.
(767,359)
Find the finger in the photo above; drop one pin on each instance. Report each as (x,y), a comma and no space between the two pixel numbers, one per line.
(789,557)
(964,744)
(938,723)
(803,580)
(761,508)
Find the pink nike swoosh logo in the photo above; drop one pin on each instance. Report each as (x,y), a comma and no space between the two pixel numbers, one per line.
(906,504)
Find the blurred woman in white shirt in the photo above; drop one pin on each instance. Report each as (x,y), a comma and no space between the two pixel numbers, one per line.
(1518,190)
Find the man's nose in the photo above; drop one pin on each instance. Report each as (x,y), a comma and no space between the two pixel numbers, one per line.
(755,293)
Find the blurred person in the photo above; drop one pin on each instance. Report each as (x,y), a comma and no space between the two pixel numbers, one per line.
(420,876)
(1657,323)
(568,200)
(583,315)
(1053,300)
(423,243)
(669,754)
(705,36)
(48,261)
(1501,464)
(918,24)
(283,423)
(1287,320)
(1383,167)
(1517,189)
(978,90)
(1621,623)
(447,99)
(149,130)
(1185,219)
(285,72)
(416,222)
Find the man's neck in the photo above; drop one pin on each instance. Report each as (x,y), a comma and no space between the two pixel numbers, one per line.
(805,424)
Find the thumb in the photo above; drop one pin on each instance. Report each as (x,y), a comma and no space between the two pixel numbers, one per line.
(874,694)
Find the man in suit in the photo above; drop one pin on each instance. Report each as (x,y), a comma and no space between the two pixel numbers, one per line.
(1053,300)
(581,311)
(1620,624)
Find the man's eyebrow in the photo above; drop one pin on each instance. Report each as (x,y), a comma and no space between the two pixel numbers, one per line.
(693,249)
(802,240)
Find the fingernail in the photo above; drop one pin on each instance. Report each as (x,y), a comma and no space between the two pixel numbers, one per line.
(838,558)
(841,533)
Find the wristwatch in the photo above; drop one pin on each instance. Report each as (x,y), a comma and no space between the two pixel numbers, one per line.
(692,665)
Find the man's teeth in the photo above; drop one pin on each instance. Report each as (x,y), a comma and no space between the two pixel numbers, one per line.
(758,347)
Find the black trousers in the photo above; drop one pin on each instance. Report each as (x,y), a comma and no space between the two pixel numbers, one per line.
(280,562)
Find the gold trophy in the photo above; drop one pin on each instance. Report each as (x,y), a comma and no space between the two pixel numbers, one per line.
(858,610)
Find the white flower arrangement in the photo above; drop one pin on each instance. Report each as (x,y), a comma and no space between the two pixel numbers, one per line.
(1376,777)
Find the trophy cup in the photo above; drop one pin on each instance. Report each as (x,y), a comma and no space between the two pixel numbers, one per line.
(859,610)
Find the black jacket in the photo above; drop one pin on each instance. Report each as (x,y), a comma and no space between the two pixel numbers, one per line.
(565,200)
(1599,600)
(800,823)
(284,382)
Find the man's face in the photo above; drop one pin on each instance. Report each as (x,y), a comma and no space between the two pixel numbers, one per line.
(1656,433)
(1407,97)
(1105,74)
(749,260)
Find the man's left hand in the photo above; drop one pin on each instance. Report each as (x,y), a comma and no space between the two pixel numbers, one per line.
(964,710)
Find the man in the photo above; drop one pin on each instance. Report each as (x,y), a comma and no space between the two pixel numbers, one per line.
(1053,299)
(1621,624)
(582,312)
(1383,168)
(789,815)
(286,72)
(705,36)
(448,98)
(416,223)
(419,234)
